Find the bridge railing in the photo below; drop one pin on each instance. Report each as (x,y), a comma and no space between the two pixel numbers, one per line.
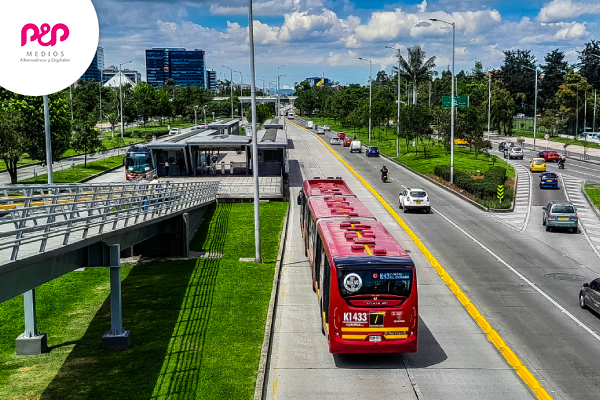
(35,218)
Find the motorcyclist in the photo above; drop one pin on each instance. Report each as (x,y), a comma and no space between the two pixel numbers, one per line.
(384,171)
(561,162)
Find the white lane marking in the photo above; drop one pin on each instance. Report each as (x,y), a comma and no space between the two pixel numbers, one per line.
(412,379)
(523,278)
(530,197)
(587,237)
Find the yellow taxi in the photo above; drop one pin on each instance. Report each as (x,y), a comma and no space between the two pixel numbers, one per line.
(538,165)
(460,142)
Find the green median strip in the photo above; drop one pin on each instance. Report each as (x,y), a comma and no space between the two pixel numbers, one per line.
(79,172)
(197,325)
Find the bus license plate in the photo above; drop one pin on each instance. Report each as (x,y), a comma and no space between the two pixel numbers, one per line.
(374,338)
(418,201)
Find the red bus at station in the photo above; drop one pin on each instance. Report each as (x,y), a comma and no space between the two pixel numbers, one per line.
(367,289)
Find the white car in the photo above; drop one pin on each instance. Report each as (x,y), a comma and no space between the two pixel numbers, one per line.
(174,131)
(326,127)
(320,130)
(355,145)
(515,152)
(336,140)
(310,125)
(414,199)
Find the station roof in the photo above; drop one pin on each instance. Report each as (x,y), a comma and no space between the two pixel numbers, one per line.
(178,141)
(329,207)
(276,123)
(326,187)
(219,141)
(225,123)
(271,139)
(359,238)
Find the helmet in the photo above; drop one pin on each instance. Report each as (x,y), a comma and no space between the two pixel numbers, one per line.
(384,167)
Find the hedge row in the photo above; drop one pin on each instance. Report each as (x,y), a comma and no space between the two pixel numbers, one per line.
(485,188)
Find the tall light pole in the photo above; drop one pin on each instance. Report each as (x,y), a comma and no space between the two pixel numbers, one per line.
(370,94)
(398,118)
(101,83)
(121,94)
(594,123)
(241,92)
(277,108)
(534,103)
(453,99)
(48,139)
(231,86)
(195,117)
(254,138)
(204,109)
(489,103)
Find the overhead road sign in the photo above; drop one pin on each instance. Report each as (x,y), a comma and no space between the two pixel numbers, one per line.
(459,102)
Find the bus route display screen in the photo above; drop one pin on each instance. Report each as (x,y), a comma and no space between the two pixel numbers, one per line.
(374,282)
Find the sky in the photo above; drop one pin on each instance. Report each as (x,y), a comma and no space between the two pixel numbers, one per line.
(327,37)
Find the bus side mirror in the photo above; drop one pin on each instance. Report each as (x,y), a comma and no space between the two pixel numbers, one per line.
(299,200)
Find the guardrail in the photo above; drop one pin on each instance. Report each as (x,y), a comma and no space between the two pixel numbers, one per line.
(36,218)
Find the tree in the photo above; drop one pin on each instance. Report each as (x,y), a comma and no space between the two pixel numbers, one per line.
(570,97)
(85,138)
(589,65)
(517,78)
(144,97)
(503,108)
(163,105)
(548,121)
(415,68)
(554,69)
(263,113)
(414,123)
(472,121)
(12,138)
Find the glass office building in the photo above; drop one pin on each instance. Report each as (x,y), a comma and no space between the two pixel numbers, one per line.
(185,67)
(211,79)
(94,71)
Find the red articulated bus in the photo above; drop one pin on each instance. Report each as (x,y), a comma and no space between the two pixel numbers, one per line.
(365,282)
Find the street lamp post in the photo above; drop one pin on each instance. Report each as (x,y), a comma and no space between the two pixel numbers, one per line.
(398,118)
(241,93)
(453,99)
(204,109)
(278,82)
(121,94)
(489,103)
(48,139)
(195,117)
(254,138)
(534,104)
(370,94)
(594,123)
(231,88)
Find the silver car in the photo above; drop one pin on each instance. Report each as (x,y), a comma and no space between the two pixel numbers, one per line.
(515,152)
(560,214)
(589,295)
(320,130)
(326,127)
(335,140)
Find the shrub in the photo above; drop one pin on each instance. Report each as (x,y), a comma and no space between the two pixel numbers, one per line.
(485,188)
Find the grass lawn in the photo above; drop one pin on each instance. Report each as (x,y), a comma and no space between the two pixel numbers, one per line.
(78,172)
(593,191)
(464,160)
(197,325)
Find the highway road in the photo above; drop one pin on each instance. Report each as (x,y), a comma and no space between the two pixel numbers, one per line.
(525,282)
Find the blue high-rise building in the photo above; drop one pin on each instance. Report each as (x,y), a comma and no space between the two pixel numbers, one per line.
(211,79)
(94,71)
(185,67)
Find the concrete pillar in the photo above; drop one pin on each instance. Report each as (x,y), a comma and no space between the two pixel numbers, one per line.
(117,338)
(31,342)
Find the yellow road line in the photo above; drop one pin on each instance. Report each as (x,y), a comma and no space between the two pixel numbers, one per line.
(526,376)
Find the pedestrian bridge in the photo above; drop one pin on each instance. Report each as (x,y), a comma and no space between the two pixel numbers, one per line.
(47,231)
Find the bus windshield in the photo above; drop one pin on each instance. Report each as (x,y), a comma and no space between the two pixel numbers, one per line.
(138,162)
(373,281)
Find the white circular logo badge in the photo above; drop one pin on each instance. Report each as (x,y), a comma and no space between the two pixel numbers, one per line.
(352,282)
(46,45)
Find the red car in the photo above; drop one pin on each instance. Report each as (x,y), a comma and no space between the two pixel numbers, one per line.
(347,141)
(549,155)
(341,135)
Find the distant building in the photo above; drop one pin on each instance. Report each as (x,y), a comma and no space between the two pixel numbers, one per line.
(133,75)
(94,71)
(120,79)
(185,67)
(318,81)
(211,79)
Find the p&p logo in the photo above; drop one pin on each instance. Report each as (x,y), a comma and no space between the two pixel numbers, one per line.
(46,44)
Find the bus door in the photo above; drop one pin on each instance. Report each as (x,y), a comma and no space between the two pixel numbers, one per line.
(324,273)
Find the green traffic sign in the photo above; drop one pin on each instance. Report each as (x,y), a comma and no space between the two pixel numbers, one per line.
(500,192)
(460,102)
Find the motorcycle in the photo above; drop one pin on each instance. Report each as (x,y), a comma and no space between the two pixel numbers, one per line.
(561,165)
(384,177)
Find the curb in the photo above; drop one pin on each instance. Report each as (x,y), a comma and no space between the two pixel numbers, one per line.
(263,364)
(592,205)
(89,178)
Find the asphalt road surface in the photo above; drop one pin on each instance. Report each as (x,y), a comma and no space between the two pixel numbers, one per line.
(525,283)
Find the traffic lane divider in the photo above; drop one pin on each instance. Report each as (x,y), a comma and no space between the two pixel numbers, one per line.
(526,376)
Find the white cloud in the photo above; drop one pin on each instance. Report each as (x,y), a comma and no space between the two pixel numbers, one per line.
(423,6)
(270,7)
(571,31)
(560,10)
(340,59)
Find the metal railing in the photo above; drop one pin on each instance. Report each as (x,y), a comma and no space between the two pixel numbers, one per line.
(35,218)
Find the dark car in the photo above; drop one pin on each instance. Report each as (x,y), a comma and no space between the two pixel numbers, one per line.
(560,214)
(549,180)
(589,295)
(505,146)
(549,155)
(372,151)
